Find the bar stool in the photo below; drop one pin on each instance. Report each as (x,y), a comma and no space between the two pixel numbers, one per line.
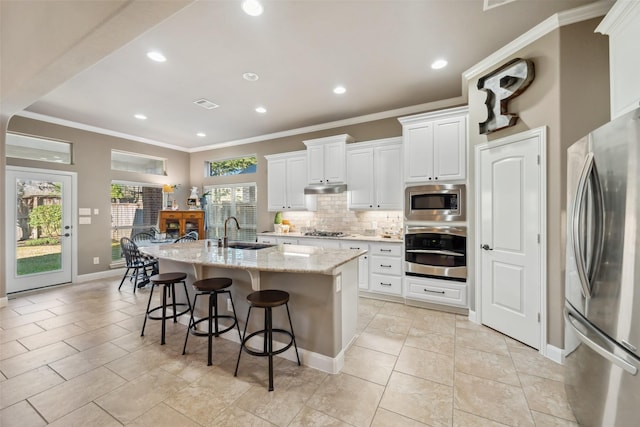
(167,281)
(267,299)
(212,287)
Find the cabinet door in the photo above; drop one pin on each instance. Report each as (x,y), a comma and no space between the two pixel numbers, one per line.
(363,262)
(276,185)
(296,181)
(449,148)
(388,177)
(315,164)
(360,178)
(334,162)
(418,152)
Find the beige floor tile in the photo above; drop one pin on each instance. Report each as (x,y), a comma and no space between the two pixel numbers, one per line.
(14,322)
(369,364)
(79,363)
(491,399)
(62,320)
(432,341)
(435,321)
(386,342)
(545,420)
(426,364)
(393,324)
(547,396)
(44,305)
(308,417)
(10,349)
(419,399)
(100,320)
(234,417)
(35,358)
(465,419)
(384,418)
(88,415)
(529,361)
(347,398)
(13,334)
(139,362)
(65,398)
(96,337)
(399,310)
(486,365)
(483,340)
(26,385)
(133,323)
(51,336)
(163,415)
(20,415)
(128,402)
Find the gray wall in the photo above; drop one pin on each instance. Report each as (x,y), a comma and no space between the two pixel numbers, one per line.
(570,96)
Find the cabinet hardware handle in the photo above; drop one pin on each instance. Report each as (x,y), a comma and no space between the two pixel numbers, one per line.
(385,250)
(385,284)
(433,292)
(351,247)
(385,266)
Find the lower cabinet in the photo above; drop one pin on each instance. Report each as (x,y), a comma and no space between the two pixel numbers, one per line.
(385,266)
(437,291)
(363,262)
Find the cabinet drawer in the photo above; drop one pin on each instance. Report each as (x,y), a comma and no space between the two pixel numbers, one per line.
(386,265)
(171,215)
(287,241)
(387,250)
(355,246)
(191,215)
(452,293)
(267,240)
(386,284)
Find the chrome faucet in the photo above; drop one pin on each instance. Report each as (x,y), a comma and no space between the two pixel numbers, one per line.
(225,240)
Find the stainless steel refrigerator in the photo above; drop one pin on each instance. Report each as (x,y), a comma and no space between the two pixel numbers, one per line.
(602,306)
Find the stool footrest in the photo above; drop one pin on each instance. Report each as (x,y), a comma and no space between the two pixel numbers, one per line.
(168,315)
(265,353)
(193,331)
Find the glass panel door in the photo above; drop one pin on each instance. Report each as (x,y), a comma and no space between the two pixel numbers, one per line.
(38,229)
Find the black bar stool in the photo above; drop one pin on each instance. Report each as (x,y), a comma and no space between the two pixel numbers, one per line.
(212,287)
(267,299)
(167,281)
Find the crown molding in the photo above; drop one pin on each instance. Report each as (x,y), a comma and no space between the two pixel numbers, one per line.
(619,14)
(579,14)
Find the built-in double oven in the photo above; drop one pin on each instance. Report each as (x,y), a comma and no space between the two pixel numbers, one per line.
(435,243)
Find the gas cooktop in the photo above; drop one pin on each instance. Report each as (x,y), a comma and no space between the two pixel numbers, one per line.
(325,233)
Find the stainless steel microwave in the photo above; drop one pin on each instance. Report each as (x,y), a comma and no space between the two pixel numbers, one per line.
(435,202)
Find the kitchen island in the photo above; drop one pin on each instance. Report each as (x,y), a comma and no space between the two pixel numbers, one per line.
(322,284)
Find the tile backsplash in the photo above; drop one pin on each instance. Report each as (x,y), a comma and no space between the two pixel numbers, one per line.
(332,215)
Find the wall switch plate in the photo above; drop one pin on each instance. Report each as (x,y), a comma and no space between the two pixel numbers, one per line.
(96,211)
(338,283)
(96,260)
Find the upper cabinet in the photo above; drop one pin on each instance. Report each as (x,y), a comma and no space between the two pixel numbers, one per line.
(435,146)
(374,174)
(326,159)
(622,25)
(286,179)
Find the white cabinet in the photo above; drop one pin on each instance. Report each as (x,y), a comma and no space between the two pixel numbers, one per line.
(374,174)
(435,146)
(622,25)
(287,240)
(326,163)
(320,243)
(286,179)
(446,292)
(267,239)
(363,261)
(385,266)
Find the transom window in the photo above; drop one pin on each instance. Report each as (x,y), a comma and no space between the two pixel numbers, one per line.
(235,166)
(142,163)
(21,146)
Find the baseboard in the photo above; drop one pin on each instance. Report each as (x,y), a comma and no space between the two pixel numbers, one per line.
(473,317)
(554,353)
(4,301)
(82,278)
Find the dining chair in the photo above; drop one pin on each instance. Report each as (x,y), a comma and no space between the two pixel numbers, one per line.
(139,266)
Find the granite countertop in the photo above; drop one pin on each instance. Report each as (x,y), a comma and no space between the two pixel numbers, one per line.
(280,258)
(298,234)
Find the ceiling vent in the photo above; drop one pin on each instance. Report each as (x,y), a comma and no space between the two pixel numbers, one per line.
(205,103)
(490,4)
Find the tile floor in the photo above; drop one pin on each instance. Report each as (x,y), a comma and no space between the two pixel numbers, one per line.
(73,356)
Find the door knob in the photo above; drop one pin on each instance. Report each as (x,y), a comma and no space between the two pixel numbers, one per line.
(486,247)
(67,234)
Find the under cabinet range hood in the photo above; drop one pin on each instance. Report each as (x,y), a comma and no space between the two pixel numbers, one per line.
(325,189)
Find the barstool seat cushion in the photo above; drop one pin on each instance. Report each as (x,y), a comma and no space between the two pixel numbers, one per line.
(268,298)
(168,278)
(212,284)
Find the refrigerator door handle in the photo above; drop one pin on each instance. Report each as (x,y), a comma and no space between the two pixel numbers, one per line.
(577,327)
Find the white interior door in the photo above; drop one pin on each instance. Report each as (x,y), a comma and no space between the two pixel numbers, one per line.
(510,211)
(39,228)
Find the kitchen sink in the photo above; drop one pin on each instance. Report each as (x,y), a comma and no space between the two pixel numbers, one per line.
(249,246)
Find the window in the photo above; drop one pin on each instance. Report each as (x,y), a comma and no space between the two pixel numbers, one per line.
(132,162)
(235,166)
(134,208)
(29,147)
(237,200)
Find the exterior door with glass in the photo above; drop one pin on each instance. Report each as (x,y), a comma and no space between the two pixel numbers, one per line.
(39,228)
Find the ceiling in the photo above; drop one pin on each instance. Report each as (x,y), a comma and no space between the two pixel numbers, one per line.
(380,51)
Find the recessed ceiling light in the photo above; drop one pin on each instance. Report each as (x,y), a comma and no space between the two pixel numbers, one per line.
(439,63)
(140,116)
(154,55)
(252,77)
(339,90)
(201,134)
(252,7)
(261,110)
